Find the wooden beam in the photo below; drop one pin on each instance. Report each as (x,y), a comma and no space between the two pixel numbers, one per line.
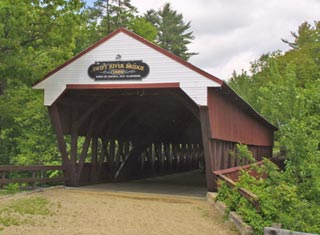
(193,108)
(124,169)
(122,122)
(94,158)
(85,148)
(73,148)
(104,120)
(57,127)
(115,156)
(90,110)
(168,155)
(102,155)
(206,135)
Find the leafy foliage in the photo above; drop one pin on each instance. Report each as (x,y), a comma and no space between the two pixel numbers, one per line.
(280,202)
(35,36)
(284,87)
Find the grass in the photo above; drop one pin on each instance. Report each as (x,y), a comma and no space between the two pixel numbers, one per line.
(18,212)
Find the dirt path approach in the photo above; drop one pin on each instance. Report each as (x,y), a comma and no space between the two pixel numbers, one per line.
(119,213)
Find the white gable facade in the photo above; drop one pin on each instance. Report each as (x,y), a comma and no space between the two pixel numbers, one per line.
(163,68)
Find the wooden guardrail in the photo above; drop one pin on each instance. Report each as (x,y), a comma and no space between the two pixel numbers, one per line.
(35,174)
(230,176)
(251,197)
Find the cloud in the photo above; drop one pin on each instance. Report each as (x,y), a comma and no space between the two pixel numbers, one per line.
(229,34)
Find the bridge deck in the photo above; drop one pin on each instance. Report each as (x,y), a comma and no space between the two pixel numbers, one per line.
(192,183)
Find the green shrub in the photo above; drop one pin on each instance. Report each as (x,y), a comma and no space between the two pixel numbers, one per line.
(280,201)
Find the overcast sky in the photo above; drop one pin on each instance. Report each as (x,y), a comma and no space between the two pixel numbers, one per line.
(229,34)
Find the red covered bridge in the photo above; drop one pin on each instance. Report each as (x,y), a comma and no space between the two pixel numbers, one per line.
(125,108)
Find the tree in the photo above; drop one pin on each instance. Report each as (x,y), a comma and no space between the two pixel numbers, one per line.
(284,87)
(112,14)
(107,16)
(173,34)
(35,37)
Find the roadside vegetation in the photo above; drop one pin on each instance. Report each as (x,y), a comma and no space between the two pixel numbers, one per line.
(285,87)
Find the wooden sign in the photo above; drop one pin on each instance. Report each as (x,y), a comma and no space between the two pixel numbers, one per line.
(118,70)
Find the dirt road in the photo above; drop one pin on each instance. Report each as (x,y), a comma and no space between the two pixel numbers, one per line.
(89,213)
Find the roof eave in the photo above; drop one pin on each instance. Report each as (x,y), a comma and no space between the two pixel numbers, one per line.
(249,107)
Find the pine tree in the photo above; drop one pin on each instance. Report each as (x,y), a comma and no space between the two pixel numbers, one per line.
(108,15)
(174,34)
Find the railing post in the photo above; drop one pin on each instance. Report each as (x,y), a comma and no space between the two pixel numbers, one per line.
(3,176)
(34,179)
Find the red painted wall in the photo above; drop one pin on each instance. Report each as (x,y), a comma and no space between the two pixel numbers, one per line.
(230,123)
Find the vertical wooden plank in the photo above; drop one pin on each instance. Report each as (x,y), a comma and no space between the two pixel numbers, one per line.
(233,158)
(174,156)
(229,156)
(194,156)
(103,152)
(238,162)
(118,154)
(157,157)
(115,150)
(3,176)
(182,152)
(187,156)
(222,154)
(206,135)
(161,156)
(151,157)
(33,179)
(142,161)
(94,159)
(225,154)
(101,157)
(111,152)
(181,156)
(218,155)
(85,149)
(178,156)
(148,159)
(198,150)
(57,127)
(168,156)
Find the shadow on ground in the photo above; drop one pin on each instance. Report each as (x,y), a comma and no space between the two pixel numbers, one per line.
(191,184)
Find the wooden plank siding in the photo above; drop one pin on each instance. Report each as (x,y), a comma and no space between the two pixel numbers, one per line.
(164,68)
(223,159)
(232,123)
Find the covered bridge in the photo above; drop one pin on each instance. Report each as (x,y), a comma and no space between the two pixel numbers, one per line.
(125,108)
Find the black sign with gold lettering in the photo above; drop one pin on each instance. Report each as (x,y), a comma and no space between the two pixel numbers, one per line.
(118,70)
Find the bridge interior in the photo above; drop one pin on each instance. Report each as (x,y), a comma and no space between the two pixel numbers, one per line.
(124,134)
